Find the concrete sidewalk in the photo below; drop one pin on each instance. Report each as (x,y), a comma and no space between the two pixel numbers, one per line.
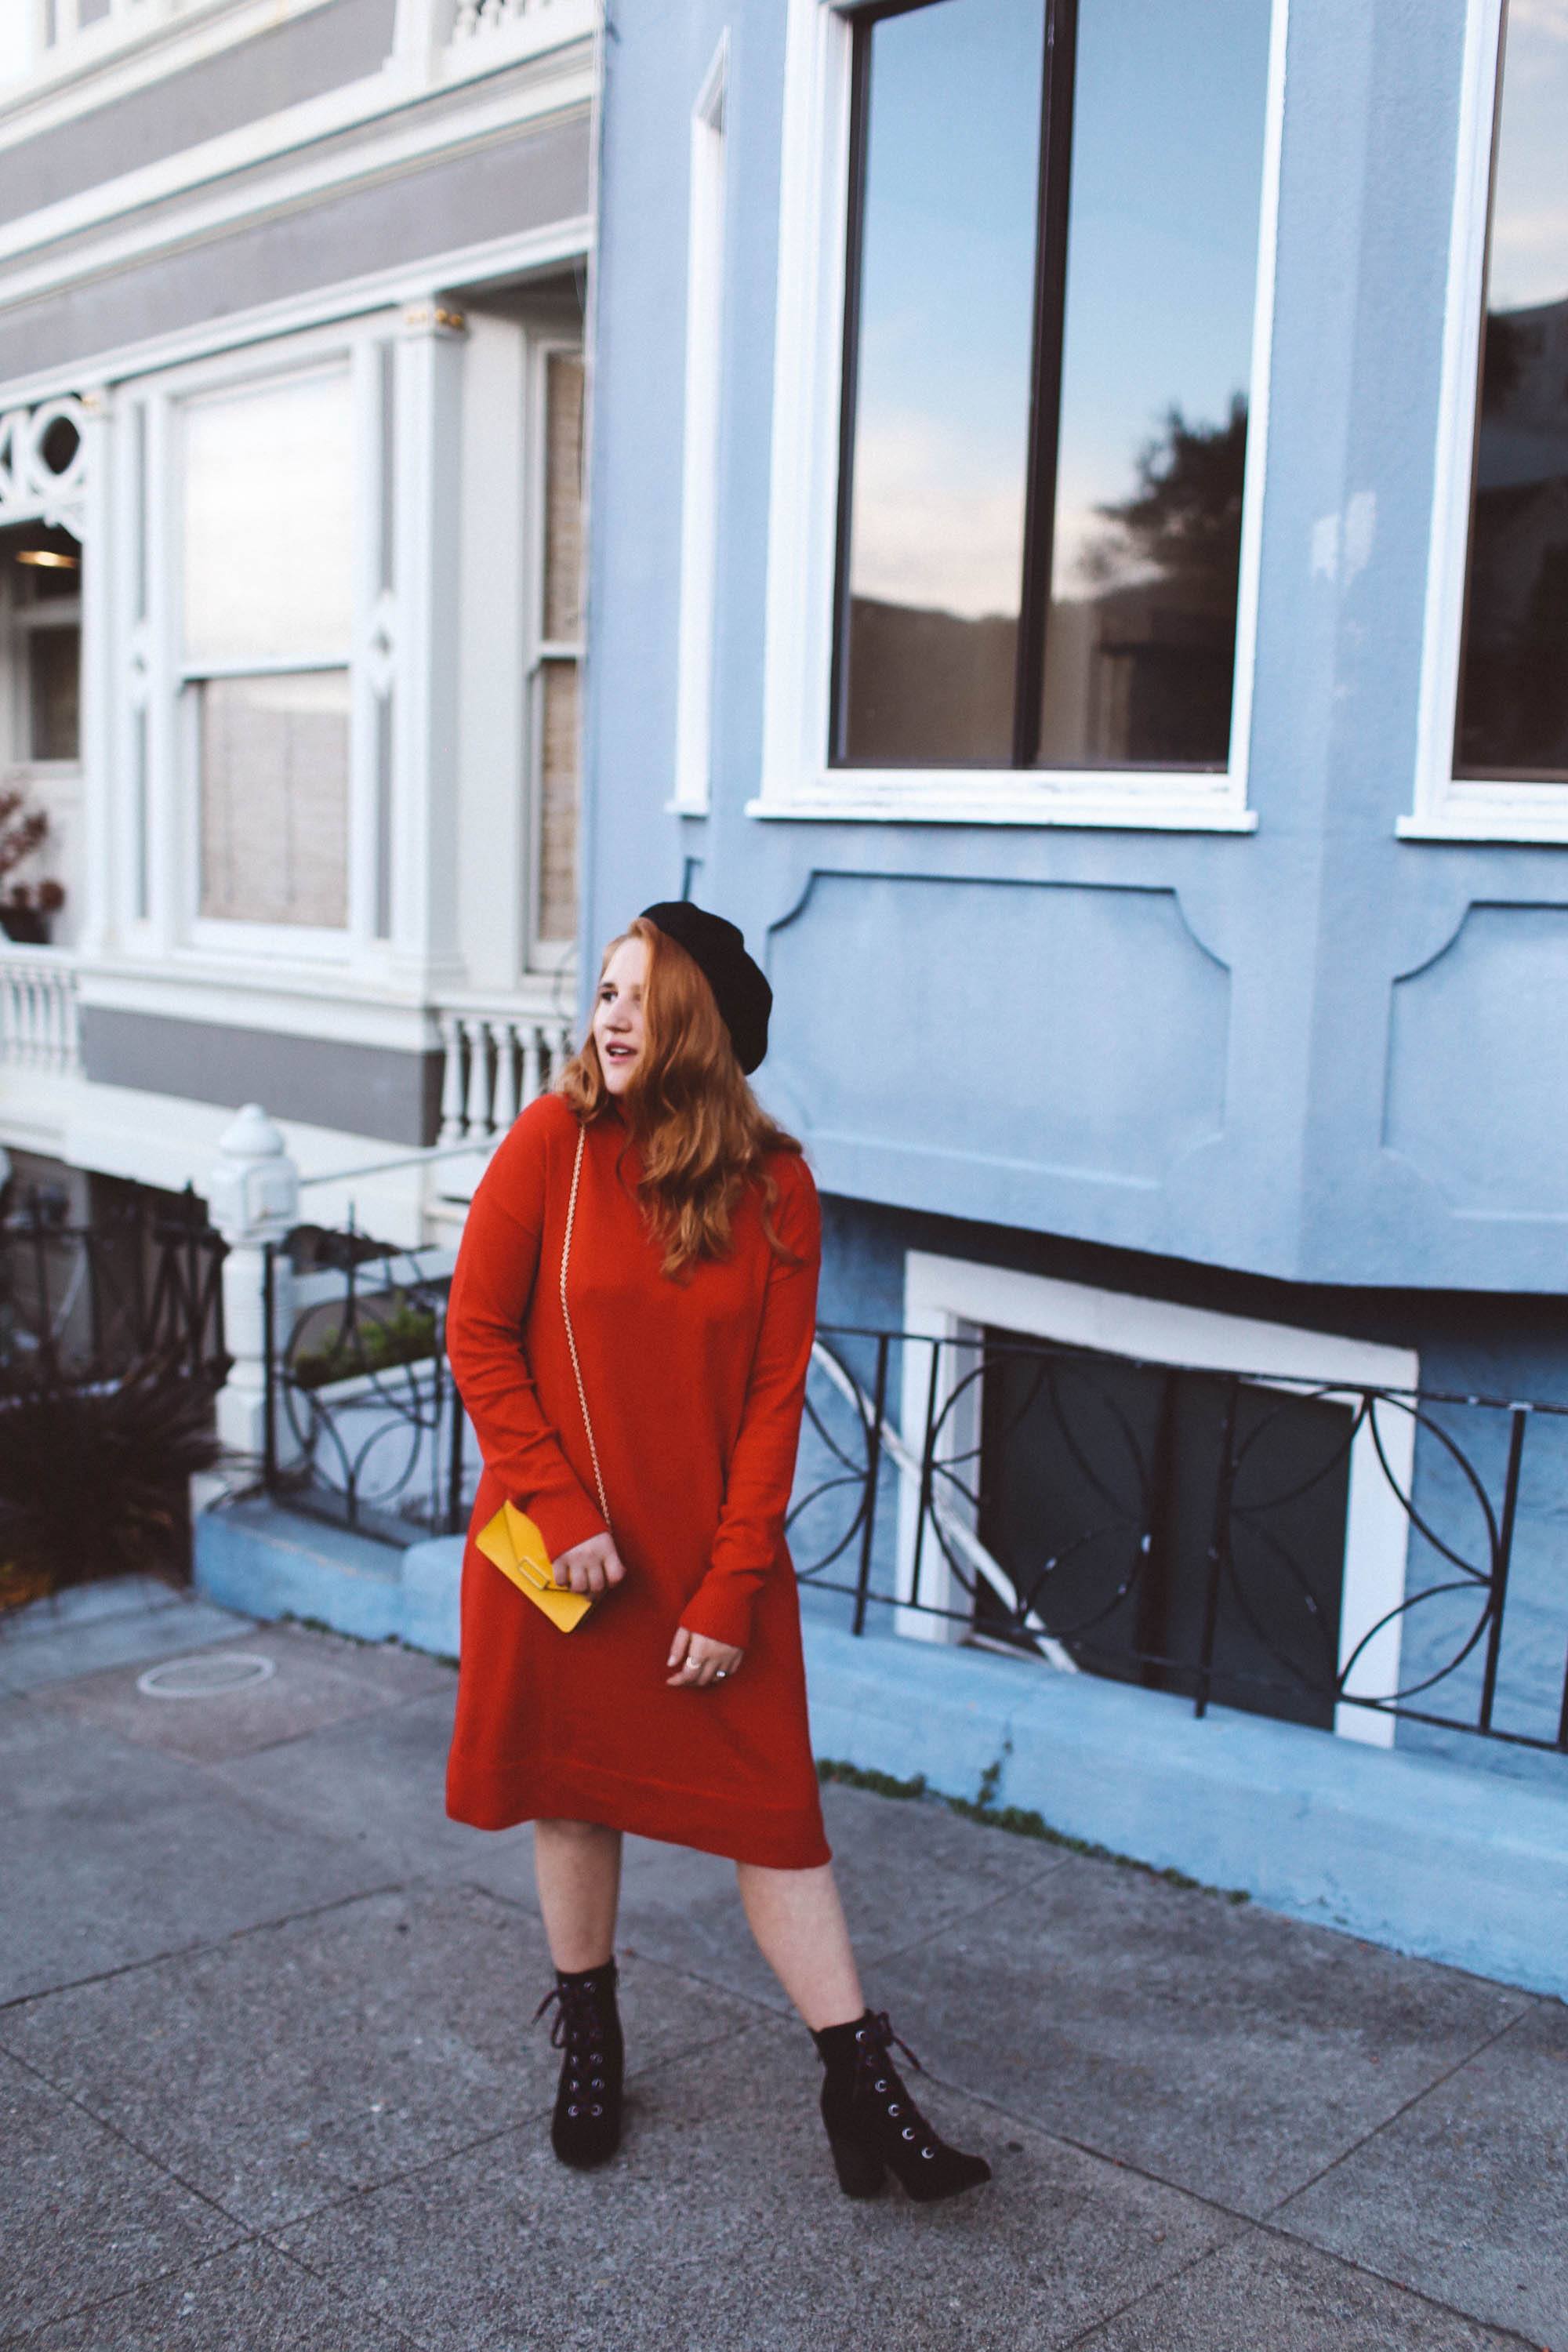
(267,2080)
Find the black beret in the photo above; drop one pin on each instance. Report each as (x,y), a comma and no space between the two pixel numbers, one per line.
(719,950)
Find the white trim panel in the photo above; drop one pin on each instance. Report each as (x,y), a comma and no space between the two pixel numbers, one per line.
(1448,807)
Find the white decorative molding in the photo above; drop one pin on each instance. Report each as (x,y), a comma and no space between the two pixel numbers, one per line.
(134,221)
(1448,807)
(73,66)
(31,490)
(956,1299)
(492,261)
(797,781)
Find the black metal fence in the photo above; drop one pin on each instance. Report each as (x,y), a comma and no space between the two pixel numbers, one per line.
(364,1425)
(1325,1552)
(1329,1553)
(87,1302)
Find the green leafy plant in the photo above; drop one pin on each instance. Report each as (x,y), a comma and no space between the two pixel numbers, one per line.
(376,1344)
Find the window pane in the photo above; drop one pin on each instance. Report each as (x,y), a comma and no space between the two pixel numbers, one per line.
(268,493)
(1513,679)
(563,497)
(54,676)
(274,798)
(1167,164)
(558,801)
(941,390)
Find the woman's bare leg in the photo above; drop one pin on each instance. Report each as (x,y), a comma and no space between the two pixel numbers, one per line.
(577,1869)
(798,1922)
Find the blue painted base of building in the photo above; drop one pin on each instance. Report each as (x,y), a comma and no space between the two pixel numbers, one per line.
(270,1563)
(1429,1858)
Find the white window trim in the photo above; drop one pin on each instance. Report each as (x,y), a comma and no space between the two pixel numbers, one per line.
(1447,807)
(954,1298)
(173,929)
(797,781)
(705,246)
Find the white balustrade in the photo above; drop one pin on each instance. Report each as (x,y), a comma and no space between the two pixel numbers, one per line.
(488,15)
(59,32)
(494,1062)
(39,1023)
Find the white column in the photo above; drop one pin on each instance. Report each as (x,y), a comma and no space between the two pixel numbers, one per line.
(95,879)
(425,718)
(253,1198)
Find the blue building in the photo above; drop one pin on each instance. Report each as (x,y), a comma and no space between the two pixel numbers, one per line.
(1080,571)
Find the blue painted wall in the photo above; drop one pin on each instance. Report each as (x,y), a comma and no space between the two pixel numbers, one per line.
(1316,1053)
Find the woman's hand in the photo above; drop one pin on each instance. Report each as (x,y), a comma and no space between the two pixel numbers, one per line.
(699,1662)
(591,1566)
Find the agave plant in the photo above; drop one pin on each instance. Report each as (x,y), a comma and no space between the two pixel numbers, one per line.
(93,1477)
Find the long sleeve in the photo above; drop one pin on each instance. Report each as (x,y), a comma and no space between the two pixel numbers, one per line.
(492,1286)
(762,1467)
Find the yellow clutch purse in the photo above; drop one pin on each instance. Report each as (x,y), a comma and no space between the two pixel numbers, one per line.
(511,1539)
(517,1547)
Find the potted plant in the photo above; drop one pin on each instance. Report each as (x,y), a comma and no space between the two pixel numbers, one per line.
(26,907)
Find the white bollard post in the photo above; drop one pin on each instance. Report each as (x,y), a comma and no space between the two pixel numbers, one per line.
(253,1199)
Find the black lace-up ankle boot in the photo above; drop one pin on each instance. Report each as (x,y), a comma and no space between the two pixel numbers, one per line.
(586,2124)
(873,2125)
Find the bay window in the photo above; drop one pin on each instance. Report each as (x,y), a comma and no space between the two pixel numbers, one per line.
(1053,221)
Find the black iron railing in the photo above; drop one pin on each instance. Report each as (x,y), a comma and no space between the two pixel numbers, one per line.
(364,1425)
(82,1303)
(1328,1552)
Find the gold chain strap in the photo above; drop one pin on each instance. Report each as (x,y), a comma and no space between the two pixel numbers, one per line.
(571,1339)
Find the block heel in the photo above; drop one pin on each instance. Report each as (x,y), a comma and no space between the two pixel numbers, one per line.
(862,2171)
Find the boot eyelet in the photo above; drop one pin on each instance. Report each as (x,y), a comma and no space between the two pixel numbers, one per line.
(571,2111)
(882,2087)
(595,2109)
(893,2107)
(908,2132)
(927,2153)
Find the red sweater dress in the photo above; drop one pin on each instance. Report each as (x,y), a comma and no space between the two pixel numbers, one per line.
(696,1388)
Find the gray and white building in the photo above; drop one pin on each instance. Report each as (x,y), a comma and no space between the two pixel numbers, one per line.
(291,405)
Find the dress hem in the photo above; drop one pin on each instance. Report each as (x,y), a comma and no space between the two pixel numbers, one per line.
(486,1798)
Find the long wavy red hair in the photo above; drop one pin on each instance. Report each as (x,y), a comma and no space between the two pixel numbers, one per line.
(703,1135)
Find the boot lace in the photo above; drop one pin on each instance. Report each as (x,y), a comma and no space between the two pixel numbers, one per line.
(577,2029)
(876,2077)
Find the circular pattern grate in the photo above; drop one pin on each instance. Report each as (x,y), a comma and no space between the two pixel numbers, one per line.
(211,1674)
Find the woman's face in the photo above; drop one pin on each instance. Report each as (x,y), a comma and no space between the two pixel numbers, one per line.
(618,1014)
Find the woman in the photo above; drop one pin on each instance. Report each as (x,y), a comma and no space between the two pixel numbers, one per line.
(660,1481)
